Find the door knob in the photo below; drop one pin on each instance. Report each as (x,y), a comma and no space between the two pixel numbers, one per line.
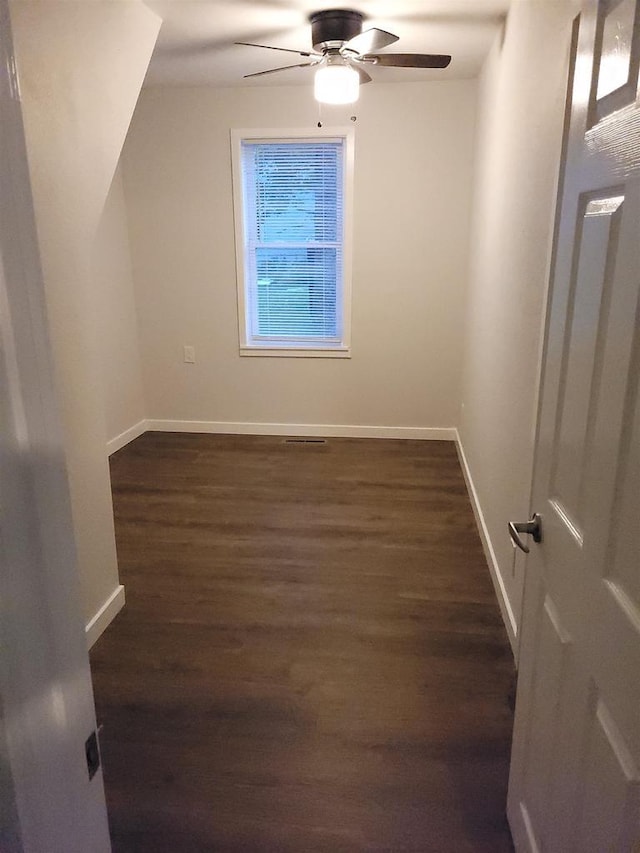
(533,527)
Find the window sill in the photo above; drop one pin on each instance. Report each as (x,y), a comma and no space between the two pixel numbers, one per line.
(296,352)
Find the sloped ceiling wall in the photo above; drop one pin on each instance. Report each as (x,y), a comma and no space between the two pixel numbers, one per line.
(80,66)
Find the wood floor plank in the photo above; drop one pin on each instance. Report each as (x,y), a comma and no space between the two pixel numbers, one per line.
(311,657)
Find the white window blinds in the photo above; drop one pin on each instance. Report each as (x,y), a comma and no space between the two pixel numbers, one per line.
(293,241)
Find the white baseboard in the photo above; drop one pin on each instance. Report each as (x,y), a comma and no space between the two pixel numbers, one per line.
(524,837)
(107,613)
(490,555)
(304,430)
(125,437)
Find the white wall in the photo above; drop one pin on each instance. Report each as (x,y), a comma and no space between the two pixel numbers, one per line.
(521,109)
(81,66)
(414,145)
(117,322)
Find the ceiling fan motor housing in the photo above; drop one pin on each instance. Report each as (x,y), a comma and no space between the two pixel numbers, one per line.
(334,26)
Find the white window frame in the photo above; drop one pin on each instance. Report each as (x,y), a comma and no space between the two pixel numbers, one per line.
(325,349)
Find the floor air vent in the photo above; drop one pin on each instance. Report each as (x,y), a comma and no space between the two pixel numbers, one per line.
(305,441)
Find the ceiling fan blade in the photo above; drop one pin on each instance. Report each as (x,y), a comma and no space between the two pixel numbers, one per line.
(282,68)
(373,39)
(285,49)
(364,77)
(409,60)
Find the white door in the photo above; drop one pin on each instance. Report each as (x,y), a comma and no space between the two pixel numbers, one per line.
(49,803)
(575,774)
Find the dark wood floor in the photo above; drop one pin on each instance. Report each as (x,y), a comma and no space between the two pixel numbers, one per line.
(311,657)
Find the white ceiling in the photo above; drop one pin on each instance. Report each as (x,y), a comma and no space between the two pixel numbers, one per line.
(196,42)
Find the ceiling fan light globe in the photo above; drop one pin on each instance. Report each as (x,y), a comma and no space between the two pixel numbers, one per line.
(336,84)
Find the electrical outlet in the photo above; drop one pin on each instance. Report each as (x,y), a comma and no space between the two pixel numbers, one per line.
(189,355)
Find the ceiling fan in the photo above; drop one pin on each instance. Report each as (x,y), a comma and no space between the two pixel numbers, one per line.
(342,51)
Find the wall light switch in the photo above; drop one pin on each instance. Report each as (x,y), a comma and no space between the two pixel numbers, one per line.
(189,355)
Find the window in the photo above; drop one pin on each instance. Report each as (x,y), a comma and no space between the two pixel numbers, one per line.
(293,212)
